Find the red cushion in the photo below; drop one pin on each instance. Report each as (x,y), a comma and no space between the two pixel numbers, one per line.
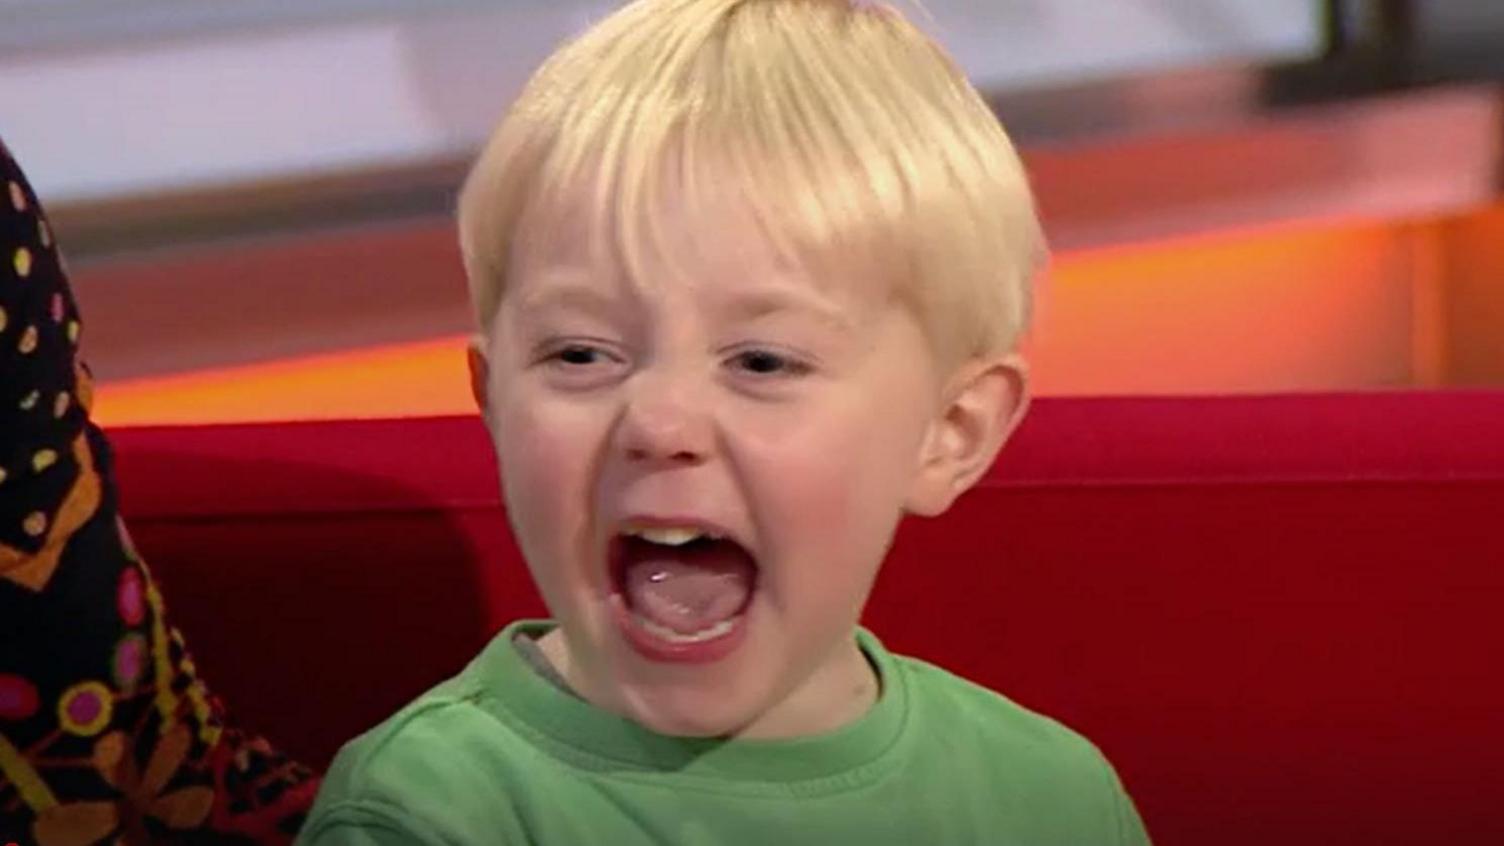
(1280,616)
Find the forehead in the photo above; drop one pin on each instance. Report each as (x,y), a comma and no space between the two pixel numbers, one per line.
(581,229)
(709,246)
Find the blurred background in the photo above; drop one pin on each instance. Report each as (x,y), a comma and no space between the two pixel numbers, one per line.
(1245,196)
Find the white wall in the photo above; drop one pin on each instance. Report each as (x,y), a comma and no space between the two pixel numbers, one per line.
(99,116)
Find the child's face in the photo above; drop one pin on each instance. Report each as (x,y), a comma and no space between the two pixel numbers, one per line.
(729,394)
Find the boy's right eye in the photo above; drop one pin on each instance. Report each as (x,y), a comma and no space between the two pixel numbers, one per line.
(578,354)
(580,364)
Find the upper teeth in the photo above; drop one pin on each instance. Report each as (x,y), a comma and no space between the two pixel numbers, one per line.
(668,535)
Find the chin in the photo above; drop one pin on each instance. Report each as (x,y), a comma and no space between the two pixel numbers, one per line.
(686,714)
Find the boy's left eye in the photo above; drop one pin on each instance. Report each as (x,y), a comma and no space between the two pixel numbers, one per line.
(579,355)
(763,362)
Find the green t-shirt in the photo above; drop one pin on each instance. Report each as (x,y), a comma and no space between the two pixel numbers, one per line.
(499,755)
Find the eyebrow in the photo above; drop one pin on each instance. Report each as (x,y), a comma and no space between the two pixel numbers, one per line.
(773,300)
(568,293)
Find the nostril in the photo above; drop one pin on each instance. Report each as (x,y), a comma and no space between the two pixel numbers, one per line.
(682,456)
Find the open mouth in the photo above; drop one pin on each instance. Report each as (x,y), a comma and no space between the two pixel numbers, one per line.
(684,589)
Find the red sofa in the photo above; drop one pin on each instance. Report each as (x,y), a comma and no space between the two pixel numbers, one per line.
(1282,617)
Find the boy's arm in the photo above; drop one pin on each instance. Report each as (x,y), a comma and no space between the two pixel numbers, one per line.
(1131,831)
(106,731)
(1130,826)
(360,824)
(358,835)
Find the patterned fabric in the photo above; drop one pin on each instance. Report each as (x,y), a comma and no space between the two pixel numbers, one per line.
(107,735)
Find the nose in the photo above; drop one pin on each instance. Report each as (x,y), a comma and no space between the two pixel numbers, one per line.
(665,421)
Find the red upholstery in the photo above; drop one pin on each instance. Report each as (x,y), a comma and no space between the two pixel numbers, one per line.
(1282,617)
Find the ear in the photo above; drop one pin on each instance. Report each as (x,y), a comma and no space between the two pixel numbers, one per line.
(480,374)
(983,403)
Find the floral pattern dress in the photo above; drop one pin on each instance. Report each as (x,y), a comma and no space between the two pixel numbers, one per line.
(107,732)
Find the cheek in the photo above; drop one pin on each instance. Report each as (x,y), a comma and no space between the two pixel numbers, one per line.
(545,454)
(831,493)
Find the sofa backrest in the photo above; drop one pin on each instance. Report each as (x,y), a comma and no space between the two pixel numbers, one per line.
(1281,617)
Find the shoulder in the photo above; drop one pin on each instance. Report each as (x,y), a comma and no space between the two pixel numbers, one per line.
(1018,752)
(426,733)
(976,713)
(425,775)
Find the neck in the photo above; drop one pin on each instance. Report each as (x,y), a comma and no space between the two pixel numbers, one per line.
(839,692)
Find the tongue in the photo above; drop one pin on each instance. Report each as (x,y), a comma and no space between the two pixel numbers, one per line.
(687,588)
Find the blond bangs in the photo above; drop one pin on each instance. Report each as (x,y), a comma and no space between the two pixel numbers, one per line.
(857,146)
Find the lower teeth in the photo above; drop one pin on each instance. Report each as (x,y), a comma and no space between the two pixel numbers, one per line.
(668,634)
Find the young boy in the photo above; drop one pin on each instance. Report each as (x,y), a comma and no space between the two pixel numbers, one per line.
(750,276)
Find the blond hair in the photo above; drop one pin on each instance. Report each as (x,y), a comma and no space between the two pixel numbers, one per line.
(847,133)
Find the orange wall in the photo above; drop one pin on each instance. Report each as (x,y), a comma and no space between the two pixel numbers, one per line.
(1360,305)
(398,380)
(1473,304)
(1293,309)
